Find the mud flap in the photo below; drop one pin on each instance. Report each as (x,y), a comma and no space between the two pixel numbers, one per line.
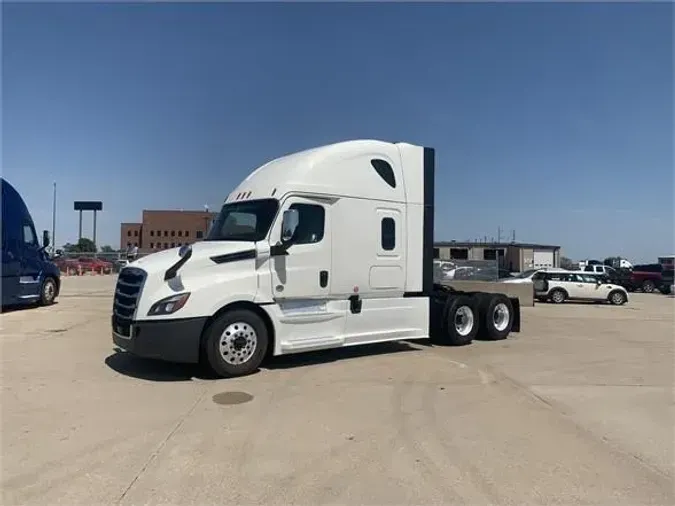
(515,301)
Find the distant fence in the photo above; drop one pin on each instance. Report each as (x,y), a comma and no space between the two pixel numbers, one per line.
(467,270)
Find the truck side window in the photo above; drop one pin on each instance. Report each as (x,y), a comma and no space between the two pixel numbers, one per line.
(28,235)
(311,223)
(388,238)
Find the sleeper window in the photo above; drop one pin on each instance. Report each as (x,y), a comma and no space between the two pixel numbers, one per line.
(388,238)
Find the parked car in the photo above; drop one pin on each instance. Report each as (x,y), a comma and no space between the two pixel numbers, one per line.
(503,273)
(648,277)
(617,276)
(600,269)
(94,264)
(531,275)
(64,264)
(446,271)
(575,285)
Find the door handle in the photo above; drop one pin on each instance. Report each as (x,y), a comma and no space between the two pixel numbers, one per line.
(323,279)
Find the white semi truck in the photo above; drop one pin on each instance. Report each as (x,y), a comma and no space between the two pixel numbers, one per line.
(324,248)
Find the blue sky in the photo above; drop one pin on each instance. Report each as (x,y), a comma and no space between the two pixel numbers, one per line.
(552,119)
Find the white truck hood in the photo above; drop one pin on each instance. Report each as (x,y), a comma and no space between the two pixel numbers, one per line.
(214,268)
(202,252)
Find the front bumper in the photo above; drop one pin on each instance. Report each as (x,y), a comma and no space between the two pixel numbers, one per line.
(169,340)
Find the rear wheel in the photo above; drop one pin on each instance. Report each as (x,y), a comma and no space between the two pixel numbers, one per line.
(617,298)
(558,296)
(648,286)
(460,321)
(236,343)
(48,292)
(496,316)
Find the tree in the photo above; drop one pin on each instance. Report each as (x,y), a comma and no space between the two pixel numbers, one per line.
(84,245)
(567,263)
(107,249)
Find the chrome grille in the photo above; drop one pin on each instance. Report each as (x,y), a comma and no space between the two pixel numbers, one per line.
(127,292)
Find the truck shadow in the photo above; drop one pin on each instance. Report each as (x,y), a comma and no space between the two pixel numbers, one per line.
(151,370)
(157,370)
(12,308)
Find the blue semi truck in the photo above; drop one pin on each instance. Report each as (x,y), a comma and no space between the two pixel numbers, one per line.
(28,274)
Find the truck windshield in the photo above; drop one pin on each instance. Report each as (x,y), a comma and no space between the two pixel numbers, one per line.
(244,221)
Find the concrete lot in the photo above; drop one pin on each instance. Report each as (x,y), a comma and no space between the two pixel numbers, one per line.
(577,409)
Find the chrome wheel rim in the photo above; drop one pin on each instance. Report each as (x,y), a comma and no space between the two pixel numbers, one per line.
(238,343)
(558,297)
(617,298)
(49,291)
(464,320)
(501,316)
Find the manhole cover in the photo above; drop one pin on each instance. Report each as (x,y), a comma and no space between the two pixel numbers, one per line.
(228,398)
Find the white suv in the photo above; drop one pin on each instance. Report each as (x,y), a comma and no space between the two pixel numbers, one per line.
(573,285)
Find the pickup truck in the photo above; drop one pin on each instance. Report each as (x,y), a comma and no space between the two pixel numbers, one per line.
(621,277)
(650,277)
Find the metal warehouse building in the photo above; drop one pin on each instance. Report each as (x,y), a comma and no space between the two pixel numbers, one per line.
(517,257)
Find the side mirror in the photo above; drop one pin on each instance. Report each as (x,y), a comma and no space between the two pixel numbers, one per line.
(598,281)
(289,223)
(45,238)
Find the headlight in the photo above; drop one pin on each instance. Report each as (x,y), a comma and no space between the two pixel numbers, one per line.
(169,305)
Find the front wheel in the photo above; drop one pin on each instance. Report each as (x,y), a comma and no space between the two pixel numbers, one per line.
(236,343)
(48,292)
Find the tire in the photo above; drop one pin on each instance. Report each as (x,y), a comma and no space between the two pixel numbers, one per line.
(648,286)
(496,316)
(48,291)
(244,340)
(557,296)
(460,321)
(665,289)
(617,298)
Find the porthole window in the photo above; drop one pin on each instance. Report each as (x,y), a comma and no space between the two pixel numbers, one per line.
(385,171)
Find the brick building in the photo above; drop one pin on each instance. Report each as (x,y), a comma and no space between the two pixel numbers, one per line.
(165,229)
